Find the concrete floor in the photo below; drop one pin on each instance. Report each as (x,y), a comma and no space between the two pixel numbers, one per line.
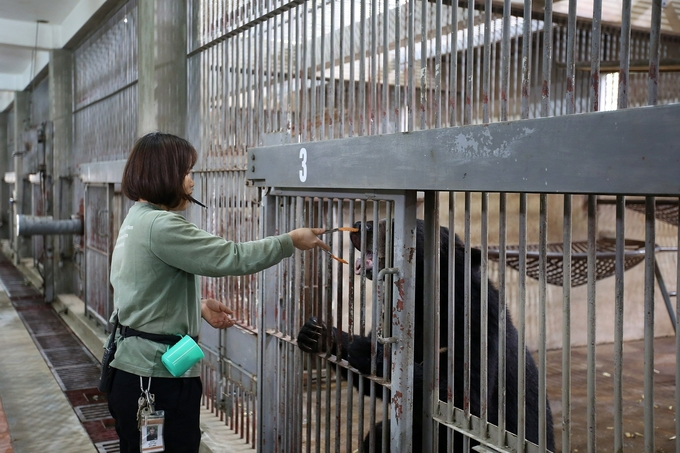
(633,385)
(39,416)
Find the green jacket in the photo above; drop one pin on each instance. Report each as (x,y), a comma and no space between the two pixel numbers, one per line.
(154,266)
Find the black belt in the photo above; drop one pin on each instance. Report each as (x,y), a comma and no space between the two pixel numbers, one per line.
(126,331)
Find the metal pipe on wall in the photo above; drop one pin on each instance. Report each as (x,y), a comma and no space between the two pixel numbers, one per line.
(29,225)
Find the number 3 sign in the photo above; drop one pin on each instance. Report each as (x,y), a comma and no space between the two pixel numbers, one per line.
(303,158)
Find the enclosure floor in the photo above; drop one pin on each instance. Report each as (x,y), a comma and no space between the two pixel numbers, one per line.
(633,389)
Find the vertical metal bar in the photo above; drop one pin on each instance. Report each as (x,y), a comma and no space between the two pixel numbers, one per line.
(430,317)
(362,69)
(476,101)
(534,98)
(502,314)
(332,87)
(450,342)
(260,96)
(306,120)
(397,70)
(618,321)
(505,67)
(248,89)
(341,63)
(595,37)
(322,74)
(467,285)
(486,69)
(375,318)
(547,59)
(352,59)
(372,108)
(283,75)
(566,324)
(484,306)
(401,411)
(469,62)
(350,330)
(362,287)
(266,384)
(650,245)
(410,93)
(316,263)
(385,106)
(526,59)
(326,210)
(654,50)
(297,100)
(542,301)
(624,54)
(516,74)
(453,67)
(423,64)
(339,294)
(387,320)
(314,81)
(272,73)
(362,316)
(521,328)
(592,303)
(495,50)
(438,66)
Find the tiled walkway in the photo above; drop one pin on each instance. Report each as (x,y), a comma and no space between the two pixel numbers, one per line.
(38,356)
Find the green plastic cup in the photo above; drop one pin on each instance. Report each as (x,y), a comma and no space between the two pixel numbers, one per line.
(182,356)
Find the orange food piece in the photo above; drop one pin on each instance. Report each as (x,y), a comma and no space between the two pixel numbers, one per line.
(350,229)
(339,259)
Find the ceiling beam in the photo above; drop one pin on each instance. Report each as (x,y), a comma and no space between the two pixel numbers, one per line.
(23,34)
(20,81)
(43,37)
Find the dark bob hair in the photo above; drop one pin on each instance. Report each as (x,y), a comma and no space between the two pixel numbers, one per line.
(156,169)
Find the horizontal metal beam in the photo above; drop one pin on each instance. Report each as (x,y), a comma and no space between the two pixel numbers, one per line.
(634,151)
(102,172)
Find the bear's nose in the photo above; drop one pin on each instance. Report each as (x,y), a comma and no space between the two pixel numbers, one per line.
(368,226)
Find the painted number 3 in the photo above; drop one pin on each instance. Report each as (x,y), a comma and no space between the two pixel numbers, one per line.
(303,158)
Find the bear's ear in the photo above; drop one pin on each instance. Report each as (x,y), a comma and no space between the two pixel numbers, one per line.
(475,257)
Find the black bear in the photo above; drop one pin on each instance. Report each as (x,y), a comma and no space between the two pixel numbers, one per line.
(314,337)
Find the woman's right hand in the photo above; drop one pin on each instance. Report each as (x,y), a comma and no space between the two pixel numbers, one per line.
(308,238)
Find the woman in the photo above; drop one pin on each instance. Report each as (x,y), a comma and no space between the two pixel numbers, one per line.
(154,269)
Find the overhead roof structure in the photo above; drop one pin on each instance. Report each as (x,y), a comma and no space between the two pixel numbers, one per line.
(29,29)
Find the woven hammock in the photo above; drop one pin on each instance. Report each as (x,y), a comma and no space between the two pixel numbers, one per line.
(666,210)
(605,253)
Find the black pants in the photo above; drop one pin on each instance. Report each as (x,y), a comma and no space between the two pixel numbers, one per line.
(180,398)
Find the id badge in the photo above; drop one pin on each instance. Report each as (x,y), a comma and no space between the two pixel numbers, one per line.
(151,432)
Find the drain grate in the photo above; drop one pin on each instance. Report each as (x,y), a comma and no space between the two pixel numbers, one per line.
(81,377)
(62,358)
(57,341)
(42,322)
(108,447)
(93,412)
(36,302)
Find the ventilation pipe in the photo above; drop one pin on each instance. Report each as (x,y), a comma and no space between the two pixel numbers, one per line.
(28,225)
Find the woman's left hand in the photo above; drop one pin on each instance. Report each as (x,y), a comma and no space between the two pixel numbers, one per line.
(216,314)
